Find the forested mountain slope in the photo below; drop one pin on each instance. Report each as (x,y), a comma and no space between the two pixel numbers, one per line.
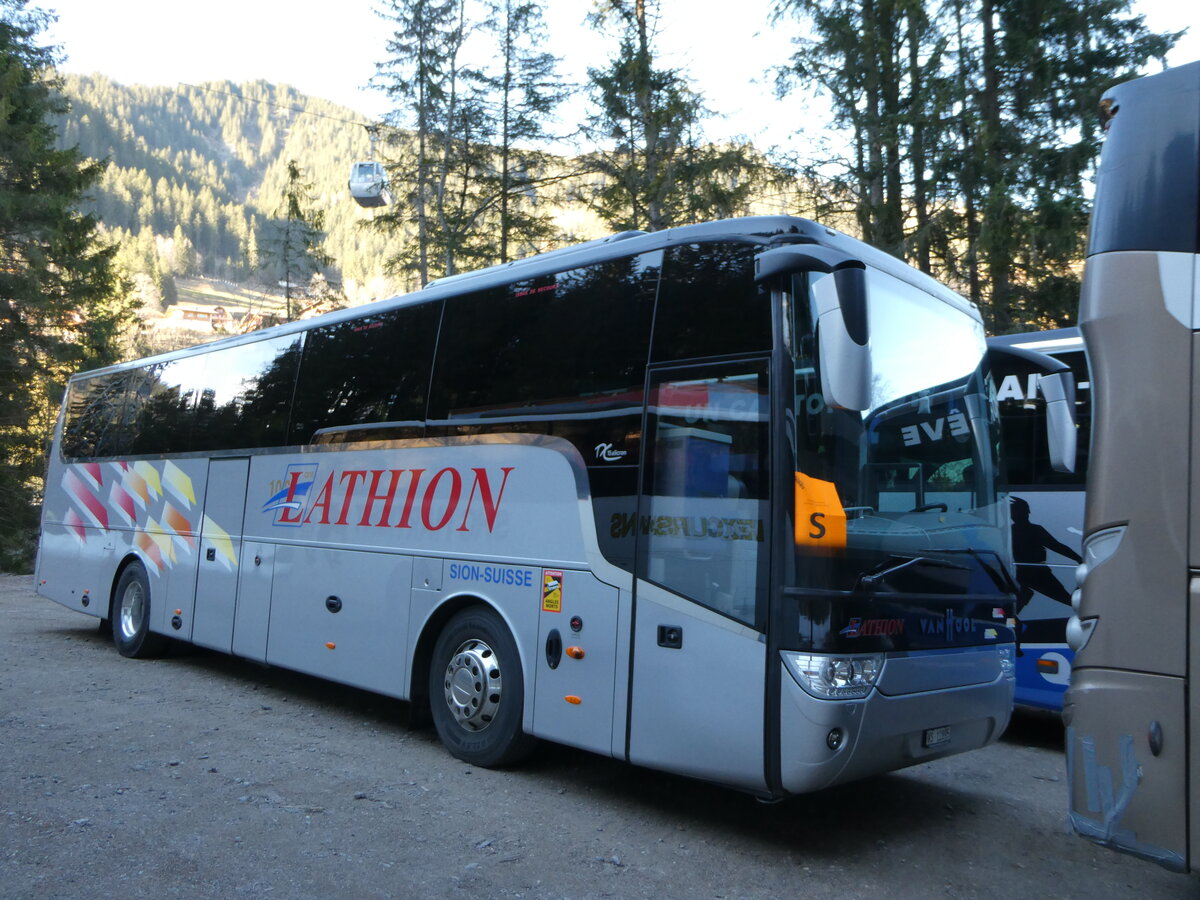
(197,173)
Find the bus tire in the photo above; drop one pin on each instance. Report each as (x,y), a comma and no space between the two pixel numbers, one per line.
(131,616)
(476,690)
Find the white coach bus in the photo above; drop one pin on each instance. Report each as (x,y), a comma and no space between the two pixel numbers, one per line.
(721,500)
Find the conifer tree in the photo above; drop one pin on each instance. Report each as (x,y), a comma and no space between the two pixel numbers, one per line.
(463,132)
(525,88)
(1043,68)
(62,307)
(421,76)
(643,114)
(646,126)
(974,128)
(295,244)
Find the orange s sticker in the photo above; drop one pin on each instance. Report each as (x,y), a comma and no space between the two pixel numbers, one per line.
(551,590)
(820,518)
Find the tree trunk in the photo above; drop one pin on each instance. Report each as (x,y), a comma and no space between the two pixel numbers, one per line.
(648,125)
(917,118)
(873,129)
(968,173)
(506,90)
(891,215)
(997,220)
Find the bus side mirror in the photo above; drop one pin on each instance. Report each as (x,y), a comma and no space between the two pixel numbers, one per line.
(1058,389)
(1057,385)
(843,339)
(843,326)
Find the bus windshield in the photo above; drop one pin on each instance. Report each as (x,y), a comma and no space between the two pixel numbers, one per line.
(916,475)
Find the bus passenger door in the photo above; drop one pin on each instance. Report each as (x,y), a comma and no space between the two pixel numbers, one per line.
(699,650)
(220,550)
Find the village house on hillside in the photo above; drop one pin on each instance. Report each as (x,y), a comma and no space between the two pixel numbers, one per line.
(198,317)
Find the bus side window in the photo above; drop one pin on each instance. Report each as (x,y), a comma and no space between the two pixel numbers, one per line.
(161,406)
(246,394)
(368,370)
(709,304)
(562,354)
(704,516)
(95,408)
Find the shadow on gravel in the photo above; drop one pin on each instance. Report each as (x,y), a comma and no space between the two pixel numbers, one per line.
(333,698)
(1029,728)
(836,826)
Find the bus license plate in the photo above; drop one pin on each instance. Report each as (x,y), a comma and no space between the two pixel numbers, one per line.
(935,737)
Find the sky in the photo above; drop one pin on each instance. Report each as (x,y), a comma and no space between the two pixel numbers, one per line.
(329,50)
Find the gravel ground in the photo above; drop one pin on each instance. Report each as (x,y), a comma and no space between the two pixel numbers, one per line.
(200,775)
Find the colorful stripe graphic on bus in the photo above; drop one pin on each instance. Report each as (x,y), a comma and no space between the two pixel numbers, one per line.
(222,543)
(154,502)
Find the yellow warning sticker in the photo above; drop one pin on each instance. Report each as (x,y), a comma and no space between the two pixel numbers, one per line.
(820,518)
(551,590)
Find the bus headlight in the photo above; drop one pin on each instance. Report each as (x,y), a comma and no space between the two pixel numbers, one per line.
(834,677)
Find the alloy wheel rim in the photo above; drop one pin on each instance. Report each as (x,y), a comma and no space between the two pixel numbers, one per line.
(473,685)
(132,610)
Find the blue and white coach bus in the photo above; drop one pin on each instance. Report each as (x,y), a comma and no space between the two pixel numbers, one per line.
(1047,509)
(720,500)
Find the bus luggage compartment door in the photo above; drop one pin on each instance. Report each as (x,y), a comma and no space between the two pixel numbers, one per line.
(254,601)
(220,548)
(342,615)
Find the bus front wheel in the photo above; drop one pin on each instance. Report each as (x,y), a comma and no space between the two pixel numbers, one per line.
(131,616)
(477,691)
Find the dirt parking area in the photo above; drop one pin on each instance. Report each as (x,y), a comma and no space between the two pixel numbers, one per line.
(200,775)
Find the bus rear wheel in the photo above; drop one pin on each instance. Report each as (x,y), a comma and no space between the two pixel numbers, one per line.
(131,616)
(477,690)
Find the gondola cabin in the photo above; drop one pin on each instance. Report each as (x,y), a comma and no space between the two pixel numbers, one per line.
(368,184)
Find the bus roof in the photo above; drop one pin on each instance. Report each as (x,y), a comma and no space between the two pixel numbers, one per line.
(765,230)
(1148,183)
(1048,341)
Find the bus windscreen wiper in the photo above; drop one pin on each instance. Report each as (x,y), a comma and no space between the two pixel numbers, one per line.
(870,580)
(997,573)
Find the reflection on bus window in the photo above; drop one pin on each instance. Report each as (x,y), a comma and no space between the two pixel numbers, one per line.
(916,472)
(704,515)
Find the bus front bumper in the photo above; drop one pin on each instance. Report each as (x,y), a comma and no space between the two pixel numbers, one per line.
(826,742)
